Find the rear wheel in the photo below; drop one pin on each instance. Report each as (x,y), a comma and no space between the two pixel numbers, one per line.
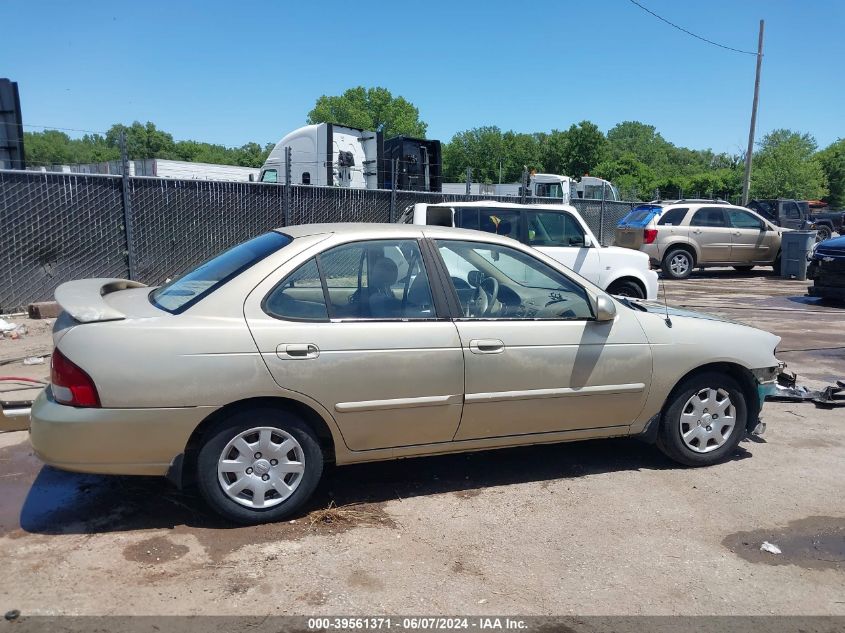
(626,288)
(678,263)
(704,421)
(776,264)
(744,269)
(259,465)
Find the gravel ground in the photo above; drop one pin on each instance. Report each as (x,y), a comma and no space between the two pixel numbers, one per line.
(602,527)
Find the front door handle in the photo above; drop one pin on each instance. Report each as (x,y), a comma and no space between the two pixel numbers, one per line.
(486,346)
(298,351)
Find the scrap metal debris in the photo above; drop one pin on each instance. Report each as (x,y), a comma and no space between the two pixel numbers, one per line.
(770,547)
(787,390)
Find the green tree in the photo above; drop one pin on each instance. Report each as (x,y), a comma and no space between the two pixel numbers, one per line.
(785,166)
(643,141)
(832,160)
(370,109)
(555,152)
(585,148)
(635,179)
(480,148)
(143,141)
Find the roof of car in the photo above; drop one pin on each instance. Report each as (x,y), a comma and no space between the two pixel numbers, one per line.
(499,204)
(366,229)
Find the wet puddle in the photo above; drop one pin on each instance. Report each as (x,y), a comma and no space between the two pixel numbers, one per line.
(813,543)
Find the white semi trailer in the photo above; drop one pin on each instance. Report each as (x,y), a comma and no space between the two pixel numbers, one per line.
(330,155)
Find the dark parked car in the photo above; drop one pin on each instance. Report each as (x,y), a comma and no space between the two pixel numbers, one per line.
(827,270)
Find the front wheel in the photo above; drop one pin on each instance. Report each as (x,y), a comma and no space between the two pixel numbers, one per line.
(259,465)
(626,288)
(823,233)
(704,420)
(678,264)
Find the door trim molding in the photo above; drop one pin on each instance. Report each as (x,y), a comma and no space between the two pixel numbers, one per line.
(562,392)
(397,403)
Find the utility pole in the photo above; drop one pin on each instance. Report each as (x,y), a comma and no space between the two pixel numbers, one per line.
(746,182)
(469,180)
(500,171)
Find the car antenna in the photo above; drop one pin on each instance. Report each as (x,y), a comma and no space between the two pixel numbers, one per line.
(666,320)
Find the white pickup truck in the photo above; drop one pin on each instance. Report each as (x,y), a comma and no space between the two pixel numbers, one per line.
(555,229)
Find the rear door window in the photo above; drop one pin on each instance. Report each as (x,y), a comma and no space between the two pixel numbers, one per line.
(500,222)
(553,228)
(673,217)
(744,220)
(709,216)
(300,296)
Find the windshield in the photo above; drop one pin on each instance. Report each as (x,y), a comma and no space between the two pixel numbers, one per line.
(180,294)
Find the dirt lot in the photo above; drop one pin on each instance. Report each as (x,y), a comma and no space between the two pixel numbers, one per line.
(605,527)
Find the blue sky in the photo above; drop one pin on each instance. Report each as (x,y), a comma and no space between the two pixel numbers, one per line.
(232,72)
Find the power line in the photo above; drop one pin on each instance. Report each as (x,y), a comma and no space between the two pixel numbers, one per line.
(680,28)
(62,129)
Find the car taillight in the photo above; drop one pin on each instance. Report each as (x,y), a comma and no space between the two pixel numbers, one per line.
(70,384)
(649,235)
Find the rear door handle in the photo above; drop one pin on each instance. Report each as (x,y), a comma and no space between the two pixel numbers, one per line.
(298,351)
(486,346)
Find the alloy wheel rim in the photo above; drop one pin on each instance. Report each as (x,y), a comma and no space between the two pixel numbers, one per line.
(261,467)
(707,420)
(679,264)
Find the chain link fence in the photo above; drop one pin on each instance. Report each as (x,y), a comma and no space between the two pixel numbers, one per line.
(59,227)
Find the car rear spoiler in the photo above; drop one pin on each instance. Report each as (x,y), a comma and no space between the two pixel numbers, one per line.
(84,299)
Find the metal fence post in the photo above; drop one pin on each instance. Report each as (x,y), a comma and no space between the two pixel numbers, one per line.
(287,191)
(523,190)
(127,209)
(394,170)
(601,213)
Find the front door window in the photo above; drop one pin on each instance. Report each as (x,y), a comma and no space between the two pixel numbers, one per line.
(494,281)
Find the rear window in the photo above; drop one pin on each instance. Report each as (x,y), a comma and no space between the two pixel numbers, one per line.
(640,216)
(180,294)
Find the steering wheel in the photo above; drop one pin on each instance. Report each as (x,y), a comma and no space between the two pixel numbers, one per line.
(485,302)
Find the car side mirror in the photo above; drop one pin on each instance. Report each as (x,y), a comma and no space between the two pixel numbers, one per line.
(588,242)
(605,308)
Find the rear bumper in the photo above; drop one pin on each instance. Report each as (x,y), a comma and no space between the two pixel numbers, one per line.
(111,441)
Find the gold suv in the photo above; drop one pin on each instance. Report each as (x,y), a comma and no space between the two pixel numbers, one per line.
(685,234)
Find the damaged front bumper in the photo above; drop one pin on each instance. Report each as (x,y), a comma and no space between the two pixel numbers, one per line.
(785,388)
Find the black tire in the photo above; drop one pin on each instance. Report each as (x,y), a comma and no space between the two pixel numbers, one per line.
(219,436)
(776,264)
(676,255)
(669,438)
(626,288)
(743,269)
(823,233)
